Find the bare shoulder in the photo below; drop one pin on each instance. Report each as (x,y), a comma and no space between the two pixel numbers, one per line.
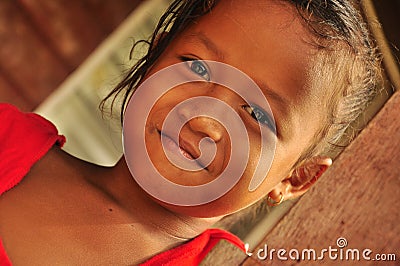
(53,196)
(62,212)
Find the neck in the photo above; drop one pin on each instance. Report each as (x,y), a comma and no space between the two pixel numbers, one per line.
(120,186)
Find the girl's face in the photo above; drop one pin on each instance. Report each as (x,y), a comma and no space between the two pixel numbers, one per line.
(268,42)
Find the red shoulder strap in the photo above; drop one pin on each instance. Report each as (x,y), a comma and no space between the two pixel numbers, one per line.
(4,261)
(193,252)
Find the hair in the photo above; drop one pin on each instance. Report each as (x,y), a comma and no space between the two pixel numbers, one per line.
(347,57)
(175,19)
(351,69)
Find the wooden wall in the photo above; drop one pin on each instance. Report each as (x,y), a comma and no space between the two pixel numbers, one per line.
(42,42)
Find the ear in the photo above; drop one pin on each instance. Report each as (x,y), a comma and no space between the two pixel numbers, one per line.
(299,180)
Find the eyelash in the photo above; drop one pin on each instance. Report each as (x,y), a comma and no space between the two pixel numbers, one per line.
(260,116)
(195,64)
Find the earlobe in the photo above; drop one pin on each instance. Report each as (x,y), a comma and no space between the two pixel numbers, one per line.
(275,202)
(300,180)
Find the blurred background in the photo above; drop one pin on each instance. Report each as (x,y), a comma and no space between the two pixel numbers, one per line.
(59,58)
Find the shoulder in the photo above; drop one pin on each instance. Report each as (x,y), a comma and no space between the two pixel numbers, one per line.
(24,139)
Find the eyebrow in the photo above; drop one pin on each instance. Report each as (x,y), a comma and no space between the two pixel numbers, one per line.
(208,43)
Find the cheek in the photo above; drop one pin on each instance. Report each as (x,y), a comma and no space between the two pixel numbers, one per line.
(279,170)
(285,157)
(240,196)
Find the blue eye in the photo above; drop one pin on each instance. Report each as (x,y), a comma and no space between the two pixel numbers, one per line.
(199,68)
(260,116)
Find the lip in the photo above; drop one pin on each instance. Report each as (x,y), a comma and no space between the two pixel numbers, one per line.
(185,149)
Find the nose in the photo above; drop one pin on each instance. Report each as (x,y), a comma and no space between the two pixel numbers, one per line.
(204,125)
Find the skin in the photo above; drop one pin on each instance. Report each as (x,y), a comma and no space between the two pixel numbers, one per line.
(73,211)
(282,40)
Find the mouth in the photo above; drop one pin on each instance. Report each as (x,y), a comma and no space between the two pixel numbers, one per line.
(186,152)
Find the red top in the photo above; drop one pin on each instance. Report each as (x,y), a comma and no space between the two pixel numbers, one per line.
(193,252)
(27,137)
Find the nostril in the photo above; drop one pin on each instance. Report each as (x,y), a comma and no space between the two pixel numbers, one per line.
(208,151)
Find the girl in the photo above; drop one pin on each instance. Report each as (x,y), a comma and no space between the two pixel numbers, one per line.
(312,60)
